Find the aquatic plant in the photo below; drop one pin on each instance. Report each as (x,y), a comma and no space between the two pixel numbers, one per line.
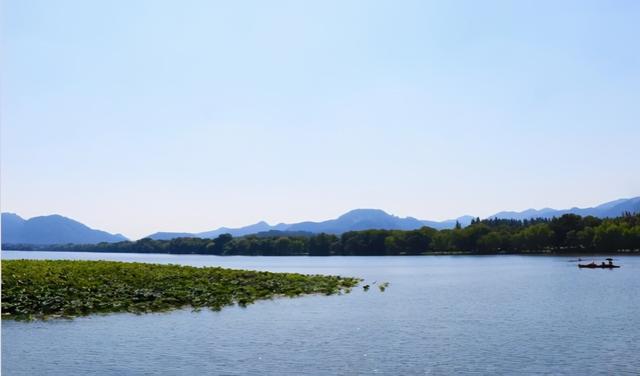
(61,288)
(383,286)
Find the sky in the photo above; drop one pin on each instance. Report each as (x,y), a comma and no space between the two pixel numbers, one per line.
(141,116)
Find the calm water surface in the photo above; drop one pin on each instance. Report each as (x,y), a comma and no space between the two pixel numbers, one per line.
(441,315)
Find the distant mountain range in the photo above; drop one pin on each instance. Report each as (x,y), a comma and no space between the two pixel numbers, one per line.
(55,229)
(608,209)
(51,229)
(358,219)
(364,219)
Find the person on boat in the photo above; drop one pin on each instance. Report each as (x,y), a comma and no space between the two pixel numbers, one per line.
(603,264)
(610,261)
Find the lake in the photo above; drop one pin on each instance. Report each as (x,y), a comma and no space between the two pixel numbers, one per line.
(440,315)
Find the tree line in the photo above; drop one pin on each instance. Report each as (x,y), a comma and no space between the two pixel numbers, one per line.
(569,233)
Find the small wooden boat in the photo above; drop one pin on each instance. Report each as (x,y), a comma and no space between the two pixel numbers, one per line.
(593,265)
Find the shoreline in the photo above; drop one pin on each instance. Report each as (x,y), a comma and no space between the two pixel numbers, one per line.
(461,253)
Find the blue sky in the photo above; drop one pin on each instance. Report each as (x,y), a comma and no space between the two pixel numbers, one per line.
(139,116)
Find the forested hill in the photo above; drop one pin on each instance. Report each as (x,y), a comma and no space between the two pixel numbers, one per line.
(367,219)
(569,233)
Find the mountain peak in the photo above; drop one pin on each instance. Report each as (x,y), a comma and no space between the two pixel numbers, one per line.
(364,213)
(51,229)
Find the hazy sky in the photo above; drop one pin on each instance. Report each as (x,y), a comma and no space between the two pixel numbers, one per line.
(139,116)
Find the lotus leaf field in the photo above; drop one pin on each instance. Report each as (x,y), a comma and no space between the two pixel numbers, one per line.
(35,289)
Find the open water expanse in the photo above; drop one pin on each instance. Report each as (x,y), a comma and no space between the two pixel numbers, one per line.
(440,315)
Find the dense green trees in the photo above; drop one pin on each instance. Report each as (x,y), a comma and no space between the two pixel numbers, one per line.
(568,233)
(322,244)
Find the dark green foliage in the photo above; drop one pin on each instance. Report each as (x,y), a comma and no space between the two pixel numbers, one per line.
(41,288)
(321,244)
(383,286)
(568,233)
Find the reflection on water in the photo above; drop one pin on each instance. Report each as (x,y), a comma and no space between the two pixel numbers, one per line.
(440,315)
